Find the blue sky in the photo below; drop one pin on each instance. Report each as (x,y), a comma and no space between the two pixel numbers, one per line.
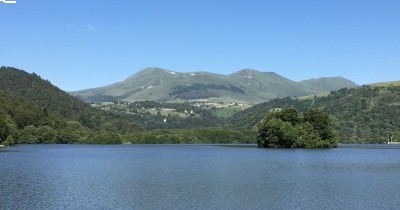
(81,44)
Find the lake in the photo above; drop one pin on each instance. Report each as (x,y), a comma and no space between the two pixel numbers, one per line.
(198,177)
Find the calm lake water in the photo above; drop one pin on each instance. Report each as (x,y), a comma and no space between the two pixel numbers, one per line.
(198,177)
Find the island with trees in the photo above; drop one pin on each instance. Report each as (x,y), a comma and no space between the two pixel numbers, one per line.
(287,128)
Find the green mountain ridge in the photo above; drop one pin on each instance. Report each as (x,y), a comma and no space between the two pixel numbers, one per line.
(326,84)
(364,114)
(247,86)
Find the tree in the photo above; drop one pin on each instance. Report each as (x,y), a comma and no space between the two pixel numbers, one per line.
(286,129)
(289,114)
(276,133)
(321,123)
(8,128)
(9,141)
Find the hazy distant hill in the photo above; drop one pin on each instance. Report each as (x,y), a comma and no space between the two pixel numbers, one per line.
(327,84)
(247,85)
(386,84)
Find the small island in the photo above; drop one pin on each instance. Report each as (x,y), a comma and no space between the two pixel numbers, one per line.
(287,128)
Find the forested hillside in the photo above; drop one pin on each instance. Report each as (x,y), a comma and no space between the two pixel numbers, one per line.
(360,115)
(32,110)
(34,91)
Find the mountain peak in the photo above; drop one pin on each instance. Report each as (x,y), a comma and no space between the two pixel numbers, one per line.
(249,71)
(246,71)
(247,85)
(152,70)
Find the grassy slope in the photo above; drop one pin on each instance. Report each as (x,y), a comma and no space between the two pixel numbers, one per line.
(247,85)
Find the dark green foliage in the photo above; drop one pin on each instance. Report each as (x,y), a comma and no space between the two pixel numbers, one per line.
(286,129)
(190,136)
(248,118)
(320,121)
(360,115)
(288,115)
(32,110)
(8,127)
(50,101)
(365,115)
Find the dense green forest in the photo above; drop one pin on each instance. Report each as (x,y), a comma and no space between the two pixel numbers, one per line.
(360,115)
(287,128)
(191,136)
(32,110)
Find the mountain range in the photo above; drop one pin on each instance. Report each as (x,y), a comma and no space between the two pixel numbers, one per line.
(32,110)
(244,86)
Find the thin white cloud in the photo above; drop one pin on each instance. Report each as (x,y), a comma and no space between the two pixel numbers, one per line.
(8,1)
(88,28)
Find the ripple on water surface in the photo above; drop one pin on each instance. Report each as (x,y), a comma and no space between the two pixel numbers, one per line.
(198,177)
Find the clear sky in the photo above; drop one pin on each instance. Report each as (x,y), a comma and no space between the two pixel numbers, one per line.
(79,44)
